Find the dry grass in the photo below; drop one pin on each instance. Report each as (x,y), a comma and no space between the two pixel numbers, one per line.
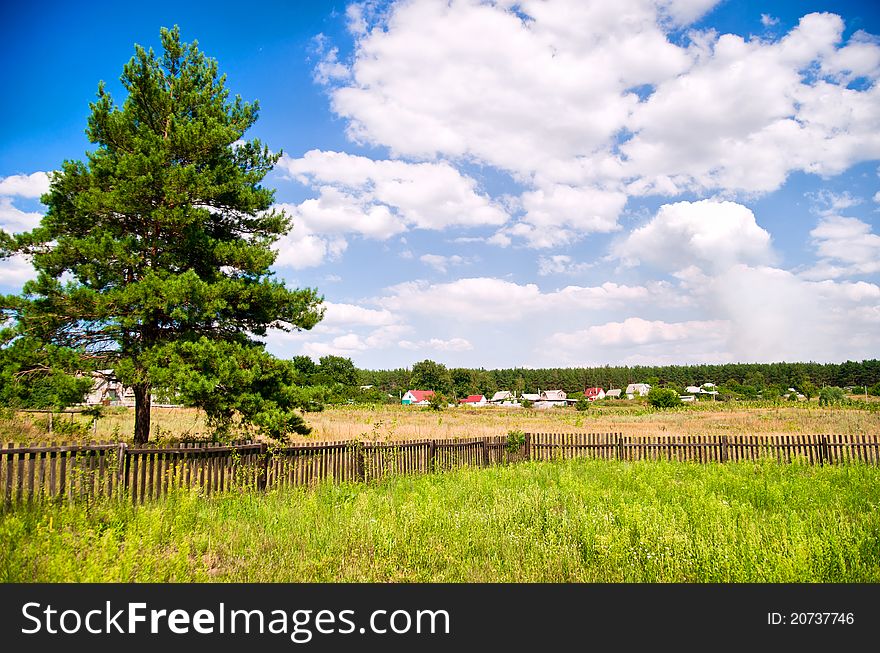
(404,422)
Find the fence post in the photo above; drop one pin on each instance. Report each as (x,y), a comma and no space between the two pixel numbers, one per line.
(619,447)
(485,452)
(122,468)
(724,448)
(528,447)
(432,457)
(823,450)
(264,472)
(359,465)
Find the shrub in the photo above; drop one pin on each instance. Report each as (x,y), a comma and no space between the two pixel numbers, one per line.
(515,440)
(525,403)
(663,398)
(438,401)
(832,396)
(582,404)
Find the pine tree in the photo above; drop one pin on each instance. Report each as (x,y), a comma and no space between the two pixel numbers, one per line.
(154,255)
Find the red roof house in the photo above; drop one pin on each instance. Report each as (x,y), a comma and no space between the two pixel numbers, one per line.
(594,393)
(417,397)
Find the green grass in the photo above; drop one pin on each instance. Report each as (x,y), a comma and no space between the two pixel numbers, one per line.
(582,521)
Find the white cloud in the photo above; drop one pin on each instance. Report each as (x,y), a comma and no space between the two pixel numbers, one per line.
(15,270)
(560,214)
(30,186)
(352,314)
(442,263)
(437,344)
(511,92)
(301,248)
(846,247)
(383,198)
(351,344)
(747,113)
(561,264)
(827,202)
(768,21)
(747,313)
(545,91)
(776,315)
(710,234)
(487,299)
(14,220)
(636,331)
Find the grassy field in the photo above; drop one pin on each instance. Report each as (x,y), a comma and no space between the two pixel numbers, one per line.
(582,520)
(390,422)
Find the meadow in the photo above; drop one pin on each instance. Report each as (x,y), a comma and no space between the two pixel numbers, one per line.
(563,521)
(394,422)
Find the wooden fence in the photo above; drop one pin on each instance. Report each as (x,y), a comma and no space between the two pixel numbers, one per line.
(67,472)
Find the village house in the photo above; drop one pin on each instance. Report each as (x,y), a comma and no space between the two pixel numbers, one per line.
(473,400)
(551,398)
(634,389)
(417,397)
(106,389)
(505,398)
(613,394)
(594,393)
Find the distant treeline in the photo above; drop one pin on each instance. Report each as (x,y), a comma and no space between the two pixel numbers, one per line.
(464,381)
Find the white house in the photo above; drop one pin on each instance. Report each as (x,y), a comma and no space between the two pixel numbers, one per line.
(106,389)
(594,393)
(551,398)
(613,394)
(634,389)
(504,398)
(417,397)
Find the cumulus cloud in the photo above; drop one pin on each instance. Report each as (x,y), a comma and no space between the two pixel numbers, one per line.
(437,344)
(636,331)
(422,195)
(846,247)
(352,314)
(514,92)
(636,341)
(14,220)
(302,248)
(560,214)
(710,234)
(15,270)
(29,186)
(776,315)
(487,299)
(748,112)
(749,313)
(561,264)
(352,343)
(588,98)
(442,263)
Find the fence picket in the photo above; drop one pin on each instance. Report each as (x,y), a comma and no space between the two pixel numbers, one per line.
(149,472)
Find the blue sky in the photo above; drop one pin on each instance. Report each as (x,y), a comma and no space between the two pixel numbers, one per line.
(523,183)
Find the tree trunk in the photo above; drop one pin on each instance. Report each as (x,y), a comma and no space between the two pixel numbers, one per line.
(141,413)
